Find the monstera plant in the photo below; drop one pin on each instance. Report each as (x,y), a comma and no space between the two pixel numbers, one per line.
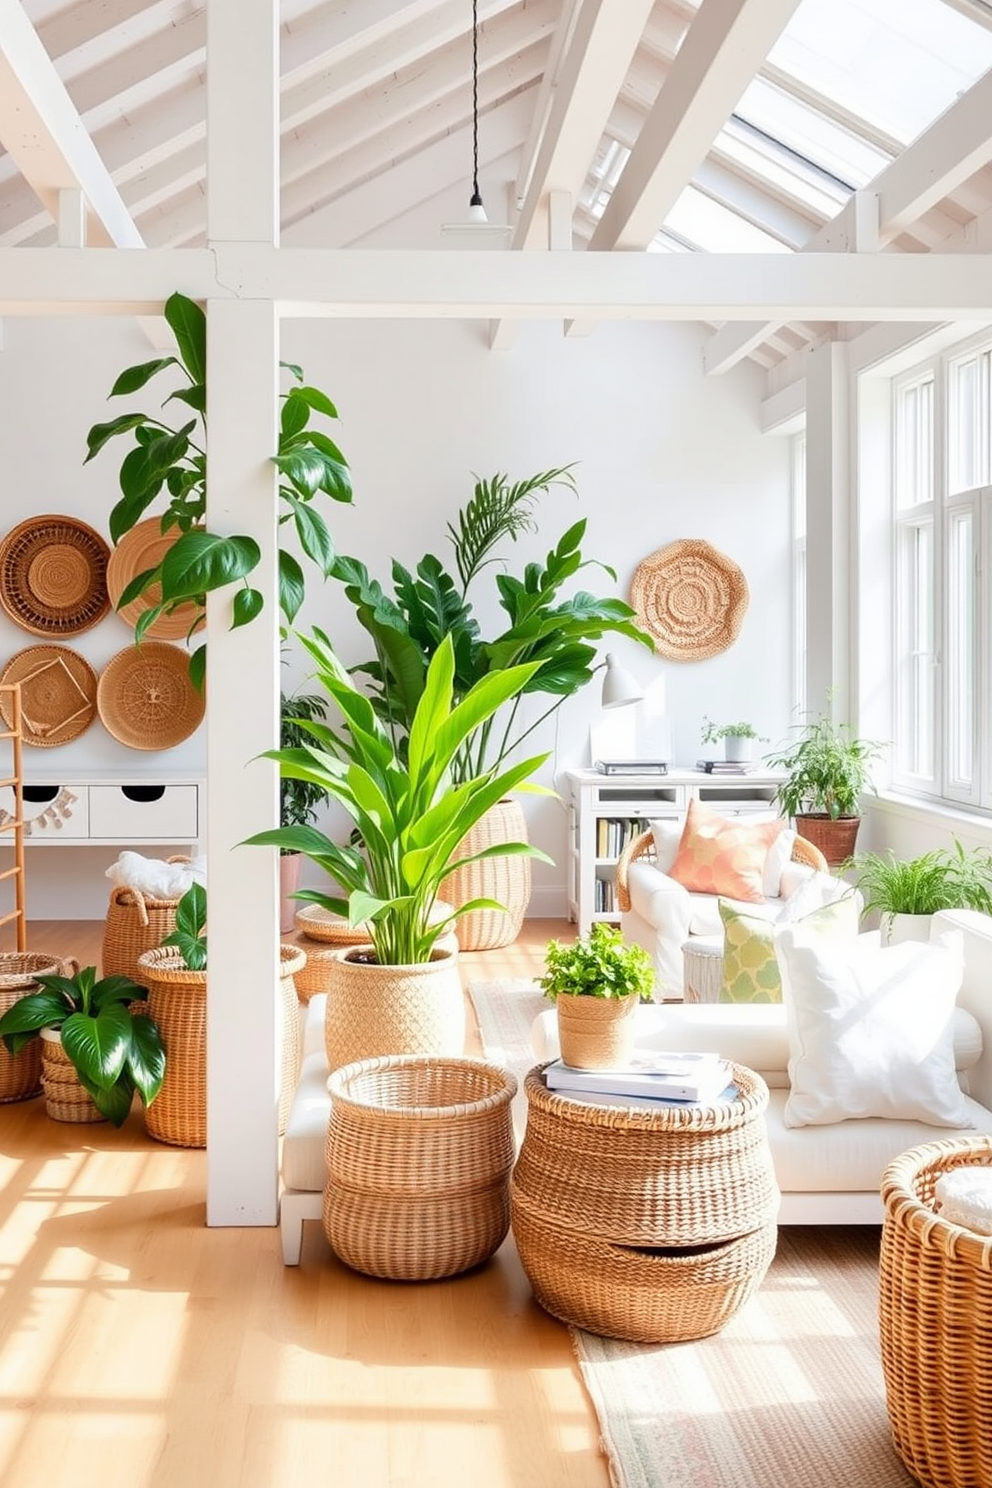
(169,461)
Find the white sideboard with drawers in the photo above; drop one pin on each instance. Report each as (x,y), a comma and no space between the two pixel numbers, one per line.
(96,810)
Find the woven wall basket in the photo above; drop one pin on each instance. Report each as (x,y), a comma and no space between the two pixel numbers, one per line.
(58,694)
(65,1098)
(143,548)
(418,1154)
(53,576)
(374,1010)
(146,699)
(691,598)
(507,880)
(20,1074)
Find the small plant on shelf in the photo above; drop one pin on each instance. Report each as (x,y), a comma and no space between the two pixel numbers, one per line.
(712,733)
(600,964)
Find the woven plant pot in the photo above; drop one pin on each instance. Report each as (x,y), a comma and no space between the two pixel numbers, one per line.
(20,1074)
(596,1033)
(65,1098)
(177,1000)
(135,923)
(507,880)
(835,837)
(419,1152)
(292,960)
(375,1010)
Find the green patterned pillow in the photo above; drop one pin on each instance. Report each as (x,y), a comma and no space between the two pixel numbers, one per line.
(750,966)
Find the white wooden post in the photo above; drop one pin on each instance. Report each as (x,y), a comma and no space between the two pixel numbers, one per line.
(828,558)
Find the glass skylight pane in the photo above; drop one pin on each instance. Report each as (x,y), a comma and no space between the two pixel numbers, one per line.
(810,134)
(781,169)
(896,63)
(699,219)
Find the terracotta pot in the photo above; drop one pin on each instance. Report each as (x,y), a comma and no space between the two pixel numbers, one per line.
(375,1010)
(835,837)
(596,1032)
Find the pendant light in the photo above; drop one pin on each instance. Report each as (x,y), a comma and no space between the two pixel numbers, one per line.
(476,223)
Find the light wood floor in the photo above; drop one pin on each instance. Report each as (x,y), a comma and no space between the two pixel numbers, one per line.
(137,1346)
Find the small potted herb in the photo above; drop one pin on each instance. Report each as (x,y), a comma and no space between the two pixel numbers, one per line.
(98,1048)
(738,739)
(596,983)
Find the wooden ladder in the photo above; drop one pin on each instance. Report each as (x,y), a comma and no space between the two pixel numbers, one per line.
(10,708)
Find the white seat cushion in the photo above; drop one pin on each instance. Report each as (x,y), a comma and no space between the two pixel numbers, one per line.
(306,1129)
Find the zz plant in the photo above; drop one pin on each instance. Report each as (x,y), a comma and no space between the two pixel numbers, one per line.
(170,459)
(114,1049)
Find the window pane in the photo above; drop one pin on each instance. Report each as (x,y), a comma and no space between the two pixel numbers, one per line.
(960,649)
(914,445)
(968,441)
(915,651)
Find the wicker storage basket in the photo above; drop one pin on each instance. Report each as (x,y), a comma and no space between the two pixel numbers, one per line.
(20,1074)
(316,973)
(419,1152)
(177,1000)
(135,923)
(596,1032)
(935,1322)
(374,1010)
(292,960)
(647,1224)
(65,1098)
(507,880)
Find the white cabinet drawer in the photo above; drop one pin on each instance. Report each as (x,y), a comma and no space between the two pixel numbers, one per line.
(55,813)
(144,813)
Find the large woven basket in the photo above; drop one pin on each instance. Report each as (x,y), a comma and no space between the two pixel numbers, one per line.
(374,1010)
(20,1074)
(935,1321)
(507,880)
(177,1000)
(65,1097)
(419,1152)
(135,923)
(652,1224)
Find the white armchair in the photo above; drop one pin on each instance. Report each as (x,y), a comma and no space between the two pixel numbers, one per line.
(661,915)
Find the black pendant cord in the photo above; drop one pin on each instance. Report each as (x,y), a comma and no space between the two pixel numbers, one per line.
(476,197)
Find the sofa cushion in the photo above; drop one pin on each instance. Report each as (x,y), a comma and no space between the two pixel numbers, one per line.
(750,965)
(721,855)
(870,1029)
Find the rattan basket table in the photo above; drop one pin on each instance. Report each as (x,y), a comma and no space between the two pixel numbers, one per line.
(935,1321)
(650,1224)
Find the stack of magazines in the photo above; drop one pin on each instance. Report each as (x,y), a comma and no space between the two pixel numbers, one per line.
(651,1075)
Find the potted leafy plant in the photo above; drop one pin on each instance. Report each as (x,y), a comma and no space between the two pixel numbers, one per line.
(596,983)
(738,738)
(298,799)
(828,772)
(98,1047)
(411,818)
(907,892)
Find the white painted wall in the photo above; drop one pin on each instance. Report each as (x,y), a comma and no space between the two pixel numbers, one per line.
(662,453)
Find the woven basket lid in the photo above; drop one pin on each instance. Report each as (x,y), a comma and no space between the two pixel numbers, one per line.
(317,923)
(58,694)
(53,576)
(691,598)
(146,699)
(142,548)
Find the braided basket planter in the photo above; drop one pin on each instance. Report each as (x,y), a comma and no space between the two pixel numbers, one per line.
(20,1074)
(507,880)
(648,1224)
(595,1032)
(135,923)
(374,1010)
(419,1152)
(935,1321)
(65,1097)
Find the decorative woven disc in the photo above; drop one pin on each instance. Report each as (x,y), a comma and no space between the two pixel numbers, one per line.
(317,923)
(142,548)
(53,576)
(58,694)
(146,699)
(691,598)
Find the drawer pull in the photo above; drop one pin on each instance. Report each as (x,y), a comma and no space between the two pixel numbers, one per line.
(40,794)
(143,792)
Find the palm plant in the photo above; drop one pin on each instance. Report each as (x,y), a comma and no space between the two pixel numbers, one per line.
(551,633)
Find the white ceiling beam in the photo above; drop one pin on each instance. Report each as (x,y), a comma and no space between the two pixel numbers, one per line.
(151,65)
(448,284)
(44,134)
(76,35)
(953,148)
(725,45)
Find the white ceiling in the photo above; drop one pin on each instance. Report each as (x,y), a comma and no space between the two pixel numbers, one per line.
(604,125)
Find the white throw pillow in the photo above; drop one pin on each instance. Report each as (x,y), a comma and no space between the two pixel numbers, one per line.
(667,834)
(870,1029)
(779,855)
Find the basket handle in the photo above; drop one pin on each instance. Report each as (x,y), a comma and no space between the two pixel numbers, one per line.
(70,966)
(137,896)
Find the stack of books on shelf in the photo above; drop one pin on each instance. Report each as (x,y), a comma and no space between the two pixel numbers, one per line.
(650,1076)
(726,767)
(614,833)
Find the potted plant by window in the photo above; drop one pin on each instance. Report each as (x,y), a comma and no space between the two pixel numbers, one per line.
(908,892)
(828,771)
(596,983)
(401,994)
(738,739)
(544,626)
(99,1045)
(298,799)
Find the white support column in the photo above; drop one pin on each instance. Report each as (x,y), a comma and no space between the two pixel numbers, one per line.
(243,665)
(828,588)
(72,217)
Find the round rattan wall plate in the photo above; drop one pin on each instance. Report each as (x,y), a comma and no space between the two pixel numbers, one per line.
(146,699)
(58,694)
(142,548)
(53,576)
(691,598)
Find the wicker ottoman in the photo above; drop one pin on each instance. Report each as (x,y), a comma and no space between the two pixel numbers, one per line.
(935,1322)
(650,1224)
(702,968)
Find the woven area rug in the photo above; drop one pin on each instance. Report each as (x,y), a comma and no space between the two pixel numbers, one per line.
(788,1395)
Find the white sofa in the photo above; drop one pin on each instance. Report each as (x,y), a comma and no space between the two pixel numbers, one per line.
(829,1174)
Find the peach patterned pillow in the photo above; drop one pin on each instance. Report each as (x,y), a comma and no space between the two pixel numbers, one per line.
(723,855)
